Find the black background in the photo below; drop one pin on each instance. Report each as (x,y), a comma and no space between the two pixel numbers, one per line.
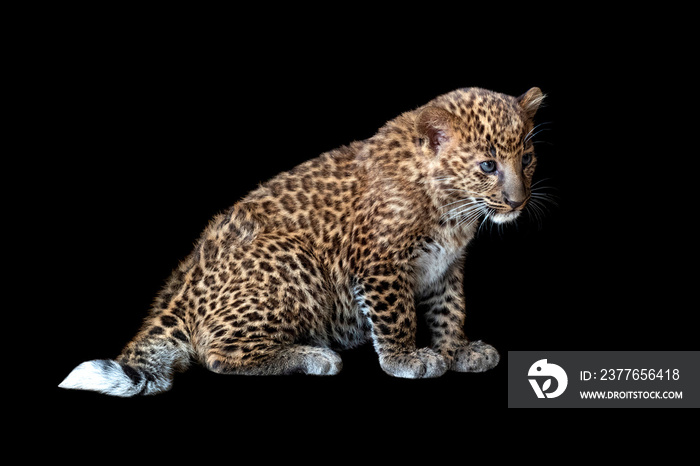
(152,128)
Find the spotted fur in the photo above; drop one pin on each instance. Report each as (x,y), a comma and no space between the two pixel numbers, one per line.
(350,247)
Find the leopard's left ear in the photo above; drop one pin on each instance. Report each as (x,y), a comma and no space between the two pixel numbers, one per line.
(435,126)
(531,101)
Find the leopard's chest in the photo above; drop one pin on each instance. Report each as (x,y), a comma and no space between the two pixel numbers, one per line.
(432,263)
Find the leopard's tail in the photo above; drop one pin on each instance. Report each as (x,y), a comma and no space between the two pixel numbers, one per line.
(164,345)
(145,367)
(112,378)
(147,370)
(147,364)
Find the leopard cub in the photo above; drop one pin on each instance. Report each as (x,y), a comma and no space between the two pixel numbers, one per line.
(350,247)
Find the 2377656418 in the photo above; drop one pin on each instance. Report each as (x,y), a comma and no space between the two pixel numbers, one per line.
(631,374)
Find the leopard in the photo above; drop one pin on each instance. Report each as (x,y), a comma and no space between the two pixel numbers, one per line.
(355,246)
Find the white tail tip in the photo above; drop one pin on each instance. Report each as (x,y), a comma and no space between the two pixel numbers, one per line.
(101,375)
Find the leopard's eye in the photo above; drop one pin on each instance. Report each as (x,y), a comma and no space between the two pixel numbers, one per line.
(527,159)
(488,167)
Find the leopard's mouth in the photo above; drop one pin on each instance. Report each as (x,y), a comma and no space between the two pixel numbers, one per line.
(504,217)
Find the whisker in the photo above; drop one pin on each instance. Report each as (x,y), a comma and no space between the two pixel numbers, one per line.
(543,206)
(470,217)
(457,189)
(535,134)
(536,210)
(544,192)
(543,187)
(531,134)
(465,211)
(545,198)
(455,202)
(472,211)
(540,181)
(548,143)
(462,205)
(454,213)
(489,213)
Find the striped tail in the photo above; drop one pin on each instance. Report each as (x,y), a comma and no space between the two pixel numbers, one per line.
(148,362)
(145,367)
(116,379)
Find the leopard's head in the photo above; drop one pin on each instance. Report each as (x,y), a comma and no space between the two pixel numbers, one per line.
(481,153)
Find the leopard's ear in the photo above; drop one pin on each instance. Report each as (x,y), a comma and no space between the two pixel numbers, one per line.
(435,126)
(531,101)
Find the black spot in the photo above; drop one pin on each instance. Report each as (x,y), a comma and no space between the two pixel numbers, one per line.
(381,306)
(394,144)
(197,274)
(165,300)
(383,285)
(179,310)
(132,373)
(253,316)
(266,267)
(168,321)
(104,364)
(180,336)
(306,263)
(156,331)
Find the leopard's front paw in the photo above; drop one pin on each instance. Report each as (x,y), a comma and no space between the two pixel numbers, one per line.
(423,363)
(476,356)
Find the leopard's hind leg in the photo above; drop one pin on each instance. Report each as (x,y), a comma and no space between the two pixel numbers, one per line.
(275,343)
(272,315)
(255,357)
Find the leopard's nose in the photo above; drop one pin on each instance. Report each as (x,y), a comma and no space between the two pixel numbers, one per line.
(513,190)
(513,203)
